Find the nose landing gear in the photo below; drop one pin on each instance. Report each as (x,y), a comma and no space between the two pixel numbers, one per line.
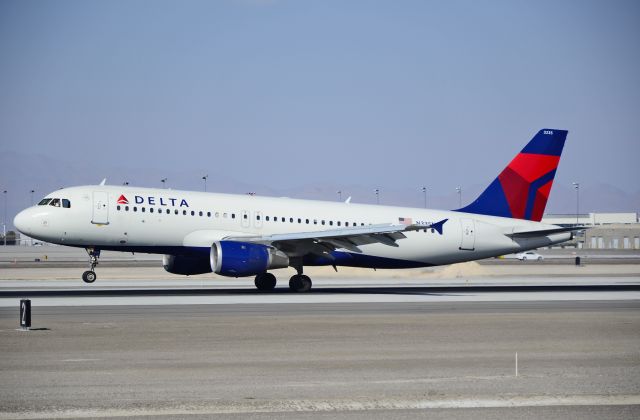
(89,276)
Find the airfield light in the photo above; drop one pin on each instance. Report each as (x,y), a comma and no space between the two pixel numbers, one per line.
(424,191)
(576,185)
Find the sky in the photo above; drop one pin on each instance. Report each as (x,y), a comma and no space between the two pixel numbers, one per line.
(293,97)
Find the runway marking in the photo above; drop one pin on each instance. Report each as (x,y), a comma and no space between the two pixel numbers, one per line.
(324,298)
(289,406)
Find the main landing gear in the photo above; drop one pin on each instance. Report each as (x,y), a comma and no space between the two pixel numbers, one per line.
(298,282)
(89,276)
(265,281)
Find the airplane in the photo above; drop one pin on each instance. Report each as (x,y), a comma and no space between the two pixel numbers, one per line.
(248,235)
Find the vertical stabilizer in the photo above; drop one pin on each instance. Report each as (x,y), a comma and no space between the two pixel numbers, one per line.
(522,188)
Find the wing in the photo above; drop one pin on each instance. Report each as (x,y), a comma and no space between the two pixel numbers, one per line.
(323,242)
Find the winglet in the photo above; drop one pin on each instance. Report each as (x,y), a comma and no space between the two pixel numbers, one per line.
(438,226)
(104,181)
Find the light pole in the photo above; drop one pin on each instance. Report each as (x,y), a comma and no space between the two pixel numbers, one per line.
(4,219)
(339,195)
(576,185)
(459,191)
(377,191)
(164,182)
(204,178)
(31,192)
(424,191)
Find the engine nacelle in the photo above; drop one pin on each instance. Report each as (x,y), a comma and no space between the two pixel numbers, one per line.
(178,264)
(240,259)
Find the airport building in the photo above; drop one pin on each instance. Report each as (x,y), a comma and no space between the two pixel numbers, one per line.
(606,230)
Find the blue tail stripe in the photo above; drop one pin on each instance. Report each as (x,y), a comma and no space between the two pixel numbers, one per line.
(492,201)
(533,189)
(544,144)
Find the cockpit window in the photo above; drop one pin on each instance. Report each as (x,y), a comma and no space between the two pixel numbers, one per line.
(55,202)
(66,203)
(44,202)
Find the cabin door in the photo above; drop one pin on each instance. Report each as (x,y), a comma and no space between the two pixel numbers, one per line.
(468,239)
(100,214)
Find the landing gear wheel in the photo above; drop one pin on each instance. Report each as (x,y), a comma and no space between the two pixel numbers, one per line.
(265,281)
(300,283)
(89,276)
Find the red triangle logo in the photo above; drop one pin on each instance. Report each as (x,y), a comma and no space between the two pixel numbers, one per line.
(123,200)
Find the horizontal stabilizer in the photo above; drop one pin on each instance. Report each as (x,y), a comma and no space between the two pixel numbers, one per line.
(543,232)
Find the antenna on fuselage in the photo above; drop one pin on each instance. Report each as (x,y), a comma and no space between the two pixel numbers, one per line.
(104,181)
(348,200)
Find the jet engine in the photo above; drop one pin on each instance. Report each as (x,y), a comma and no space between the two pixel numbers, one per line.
(240,259)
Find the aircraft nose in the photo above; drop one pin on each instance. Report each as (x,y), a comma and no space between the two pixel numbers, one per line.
(21,222)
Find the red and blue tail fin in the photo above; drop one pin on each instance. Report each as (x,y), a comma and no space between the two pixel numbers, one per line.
(522,188)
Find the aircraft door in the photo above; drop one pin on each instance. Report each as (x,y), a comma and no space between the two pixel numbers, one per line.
(258,219)
(468,238)
(100,214)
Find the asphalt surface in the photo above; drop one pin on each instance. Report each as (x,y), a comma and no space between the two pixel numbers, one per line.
(352,360)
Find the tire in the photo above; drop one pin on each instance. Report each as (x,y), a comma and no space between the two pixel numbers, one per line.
(300,283)
(265,281)
(539,258)
(89,276)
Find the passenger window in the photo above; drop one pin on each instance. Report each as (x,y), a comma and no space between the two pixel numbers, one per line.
(225,215)
(233,215)
(282,219)
(338,223)
(66,203)
(193,213)
(306,220)
(275,219)
(299,220)
(200,213)
(135,208)
(55,202)
(175,211)
(291,220)
(315,221)
(150,209)
(258,217)
(346,224)
(267,218)
(44,202)
(323,222)
(244,216)
(126,208)
(184,212)
(330,222)
(208,214)
(168,211)
(118,207)
(217,214)
(142,209)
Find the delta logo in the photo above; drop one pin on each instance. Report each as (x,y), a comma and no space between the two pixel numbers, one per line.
(155,201)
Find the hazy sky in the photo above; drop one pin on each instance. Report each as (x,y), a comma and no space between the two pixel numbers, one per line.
(291,93)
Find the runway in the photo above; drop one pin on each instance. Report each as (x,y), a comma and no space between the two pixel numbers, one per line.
(353,348)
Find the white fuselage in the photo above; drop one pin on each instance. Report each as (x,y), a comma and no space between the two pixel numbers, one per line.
(171,221)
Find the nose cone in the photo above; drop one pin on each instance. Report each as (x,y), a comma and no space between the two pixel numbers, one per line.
(22,222)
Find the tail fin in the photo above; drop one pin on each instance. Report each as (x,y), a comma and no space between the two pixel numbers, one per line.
(522,188)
